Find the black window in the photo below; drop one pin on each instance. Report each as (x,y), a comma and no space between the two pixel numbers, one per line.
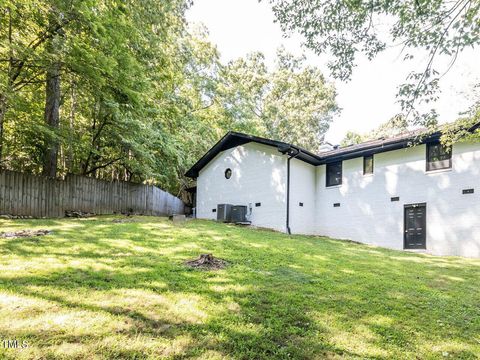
(228,173)
(368,165)
(438,156)
(334,174)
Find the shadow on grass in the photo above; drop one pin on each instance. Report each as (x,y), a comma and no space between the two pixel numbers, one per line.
(297,297)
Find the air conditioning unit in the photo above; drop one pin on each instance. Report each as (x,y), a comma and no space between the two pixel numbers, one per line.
(224,212)
(239,214)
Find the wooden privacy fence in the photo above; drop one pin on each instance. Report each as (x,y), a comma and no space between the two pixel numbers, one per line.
(37,196)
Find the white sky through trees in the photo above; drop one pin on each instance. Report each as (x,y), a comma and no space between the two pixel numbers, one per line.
(238,27)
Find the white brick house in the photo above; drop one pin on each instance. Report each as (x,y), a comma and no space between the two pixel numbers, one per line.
(383,192)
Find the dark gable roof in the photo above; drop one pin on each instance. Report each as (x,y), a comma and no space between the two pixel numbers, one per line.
(233,139)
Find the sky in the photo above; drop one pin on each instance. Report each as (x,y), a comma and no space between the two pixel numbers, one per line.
(238,27)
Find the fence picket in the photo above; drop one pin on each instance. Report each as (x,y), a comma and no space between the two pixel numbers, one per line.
(24,194)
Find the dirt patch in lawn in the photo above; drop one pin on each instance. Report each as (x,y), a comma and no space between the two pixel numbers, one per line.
(24,233)
(127,220)
(123,221)
(207,262)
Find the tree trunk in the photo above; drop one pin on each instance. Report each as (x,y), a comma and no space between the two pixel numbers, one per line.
(52,118)
(52,99)
(70,155)
(3,110)
(3,97)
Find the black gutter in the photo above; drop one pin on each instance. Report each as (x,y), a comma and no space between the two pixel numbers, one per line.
(378,147)
(292,154)
(365,152)
(232,139)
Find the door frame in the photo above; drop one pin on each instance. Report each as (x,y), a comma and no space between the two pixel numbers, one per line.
(405,207)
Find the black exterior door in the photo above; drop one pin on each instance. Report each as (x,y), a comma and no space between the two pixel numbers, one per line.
(415,226)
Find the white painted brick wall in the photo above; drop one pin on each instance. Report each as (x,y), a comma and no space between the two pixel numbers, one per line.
(367,215)
(258,175)
(302,189)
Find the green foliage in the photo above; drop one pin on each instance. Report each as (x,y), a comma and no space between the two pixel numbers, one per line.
(292,102)
(95,289)
(391,128)
(344,29)
(461,130)
(116,67)
(352,138)
(142,95)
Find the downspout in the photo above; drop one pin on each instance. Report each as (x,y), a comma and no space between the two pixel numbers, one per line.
(292,154)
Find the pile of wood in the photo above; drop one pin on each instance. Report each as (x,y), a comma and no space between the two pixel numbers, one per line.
(78,214)
(8,216)
(24,233)
(207,262)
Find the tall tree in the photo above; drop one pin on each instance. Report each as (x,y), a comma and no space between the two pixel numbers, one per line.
(32,33)
(142,96)
(113,53)
(52,94)
(346,28)
(22,38)
(292,102)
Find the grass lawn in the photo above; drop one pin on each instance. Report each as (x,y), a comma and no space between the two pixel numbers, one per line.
(98,289)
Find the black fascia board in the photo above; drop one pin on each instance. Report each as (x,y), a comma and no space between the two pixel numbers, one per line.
(365,152)
(379,148)
(233,139)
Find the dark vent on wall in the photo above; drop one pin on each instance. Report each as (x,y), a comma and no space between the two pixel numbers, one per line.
(300,204)
(258,204)
(468,191)
(214,210)
(336,205)
(395,198)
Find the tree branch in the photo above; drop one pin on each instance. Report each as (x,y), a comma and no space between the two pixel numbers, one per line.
(102,166)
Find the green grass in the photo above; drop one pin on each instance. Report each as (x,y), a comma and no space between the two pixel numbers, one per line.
(97,289)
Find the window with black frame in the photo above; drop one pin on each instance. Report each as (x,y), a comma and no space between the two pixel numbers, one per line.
(438,156)
(368,165)
(334,173)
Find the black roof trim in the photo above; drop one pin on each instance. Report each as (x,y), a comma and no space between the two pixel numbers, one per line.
(378,146)
(233,139)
